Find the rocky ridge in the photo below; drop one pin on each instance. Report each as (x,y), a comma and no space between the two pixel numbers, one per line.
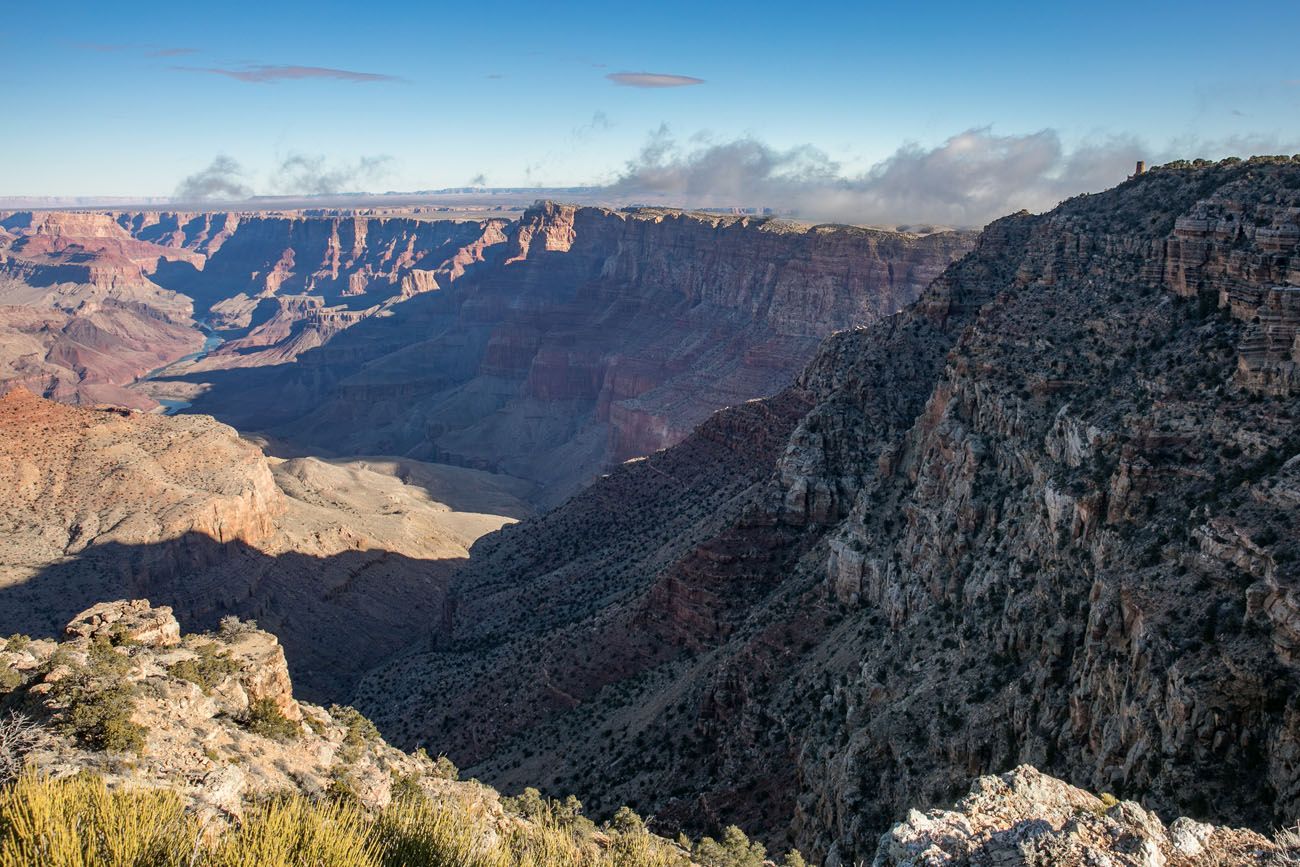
(214,718)
(1026,818)
(1046,515)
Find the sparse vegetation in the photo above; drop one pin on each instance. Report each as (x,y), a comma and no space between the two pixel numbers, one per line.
(18,736)
(360,731)
(211,666)
(265,718)
(231,626)
(79,822)
(734,850)
(98,700)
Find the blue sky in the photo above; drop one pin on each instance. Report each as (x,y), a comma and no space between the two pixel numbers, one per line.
(119,99)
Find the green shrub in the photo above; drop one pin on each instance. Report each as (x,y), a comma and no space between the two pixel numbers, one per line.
(10,679)
(78,822)
(360,731)
(294,832)
(210,667)
(98,701)
(735,850)
(444,769)
(406,786)
(264,718)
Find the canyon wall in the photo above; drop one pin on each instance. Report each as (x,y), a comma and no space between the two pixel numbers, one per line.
(1048,514)
(587,337)
(547,348)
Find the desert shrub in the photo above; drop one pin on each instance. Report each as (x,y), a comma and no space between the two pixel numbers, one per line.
(78,822)
(626,821)
(98,701)
(17,642)
(264,718)
(360,731)
(289,832)
(210,667)
(406,786)
(445,769)
(10,679)
(633,844)
(230,626)
(420,831)
(18,736)
(734,850)
(529,803)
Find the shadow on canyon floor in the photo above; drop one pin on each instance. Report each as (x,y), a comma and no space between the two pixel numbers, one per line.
(337,616)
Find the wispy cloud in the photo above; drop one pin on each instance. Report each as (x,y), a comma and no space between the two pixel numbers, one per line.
(652,79)
(269,74)
(302,174)
(223,179)
(599,123)
(146,50)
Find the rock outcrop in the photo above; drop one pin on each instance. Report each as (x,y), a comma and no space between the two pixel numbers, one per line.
(1026,818)
(1048,514)
(215,713)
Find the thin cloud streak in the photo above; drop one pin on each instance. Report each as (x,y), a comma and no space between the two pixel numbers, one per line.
(270,74)
(147,50)
(652,79)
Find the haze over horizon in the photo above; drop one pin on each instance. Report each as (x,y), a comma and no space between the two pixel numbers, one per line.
(956,116)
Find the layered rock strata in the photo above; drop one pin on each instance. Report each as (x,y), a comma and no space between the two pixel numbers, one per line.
(1049,514)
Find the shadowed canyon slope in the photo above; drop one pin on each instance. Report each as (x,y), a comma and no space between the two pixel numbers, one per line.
(1048,514)
(545,348)
(341,558)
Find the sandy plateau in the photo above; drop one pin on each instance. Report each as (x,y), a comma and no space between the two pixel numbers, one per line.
(180,508)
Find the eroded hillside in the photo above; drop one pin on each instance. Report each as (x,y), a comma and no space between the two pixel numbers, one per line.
(344,559)
(1048,514)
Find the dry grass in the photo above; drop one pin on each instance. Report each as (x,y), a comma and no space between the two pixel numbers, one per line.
(79,822)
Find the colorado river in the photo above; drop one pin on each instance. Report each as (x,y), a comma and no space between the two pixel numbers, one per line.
(172,406)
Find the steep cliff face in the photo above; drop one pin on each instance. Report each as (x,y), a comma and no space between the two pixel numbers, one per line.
(589,337)
(547,348)
(80,319)
(1048,515)
(94,301)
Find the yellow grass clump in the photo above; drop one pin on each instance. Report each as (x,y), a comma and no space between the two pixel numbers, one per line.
(80,822)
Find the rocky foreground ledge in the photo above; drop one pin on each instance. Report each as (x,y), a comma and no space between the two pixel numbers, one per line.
(1028,818)
(212,717)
